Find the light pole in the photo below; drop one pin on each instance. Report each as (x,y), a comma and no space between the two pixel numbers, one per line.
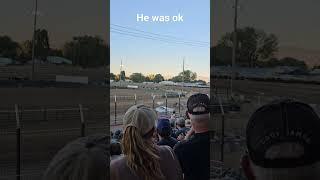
(34,37)
(234,47)
(120,76)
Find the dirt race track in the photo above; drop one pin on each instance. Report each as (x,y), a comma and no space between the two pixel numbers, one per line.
(309,93)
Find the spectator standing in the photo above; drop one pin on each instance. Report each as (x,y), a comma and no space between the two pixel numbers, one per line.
(181,126)
(194,153)
(143,159)
(283,142)
(164,132)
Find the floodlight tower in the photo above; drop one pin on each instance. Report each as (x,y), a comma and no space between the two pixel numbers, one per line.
(34,38)
(121,69)
(234,47)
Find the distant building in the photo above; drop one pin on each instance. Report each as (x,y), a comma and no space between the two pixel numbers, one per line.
(58,60)
(52,60)
(147,83)
(168,83)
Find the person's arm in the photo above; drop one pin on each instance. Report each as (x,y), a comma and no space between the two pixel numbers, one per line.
(189,134)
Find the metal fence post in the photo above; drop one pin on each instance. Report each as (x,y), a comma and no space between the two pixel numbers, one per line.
(222,131)
(153,97)
(18,136)
(179,105)
(83,126)
(135,99)
(115,109)
(166,103)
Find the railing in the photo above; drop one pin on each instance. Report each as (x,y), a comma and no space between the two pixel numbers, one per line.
(119,104)
(39,133)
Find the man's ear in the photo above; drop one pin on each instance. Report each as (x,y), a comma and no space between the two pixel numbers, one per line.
(246,167)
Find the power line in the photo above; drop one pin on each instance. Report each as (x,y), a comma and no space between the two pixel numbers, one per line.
(157,37)
(153,38)
(161,35)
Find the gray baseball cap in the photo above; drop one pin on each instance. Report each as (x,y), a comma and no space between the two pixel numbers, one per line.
(140,116)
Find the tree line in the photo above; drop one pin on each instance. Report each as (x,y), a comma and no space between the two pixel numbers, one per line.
(85,51)
(255,48)
(186,76)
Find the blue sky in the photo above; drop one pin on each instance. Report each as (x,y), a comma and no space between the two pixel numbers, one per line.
(151,56)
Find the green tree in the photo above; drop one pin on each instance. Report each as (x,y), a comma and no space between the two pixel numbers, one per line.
(42,45)
(122,75)
(289,61)
(137,77)
(56,52)
(252,45)
(158,78)
(222,55)
(186,76)
(8,48)
(112,76)
(87,51)
(150,78)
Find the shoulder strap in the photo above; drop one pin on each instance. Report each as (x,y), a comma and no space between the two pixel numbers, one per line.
(169,149)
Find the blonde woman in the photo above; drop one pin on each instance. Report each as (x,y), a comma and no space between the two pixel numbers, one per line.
(143,159)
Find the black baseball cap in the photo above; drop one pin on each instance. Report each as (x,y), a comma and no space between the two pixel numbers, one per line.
(198,100)
(164,126)
(284,121)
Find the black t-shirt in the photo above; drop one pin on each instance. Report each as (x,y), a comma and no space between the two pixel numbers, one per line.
(194,156)
(183,130)
(170,141)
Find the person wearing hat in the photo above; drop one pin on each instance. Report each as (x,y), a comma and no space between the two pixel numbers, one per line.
(164,132)
(283,142)
(194,152)
(86,158)
(143,159)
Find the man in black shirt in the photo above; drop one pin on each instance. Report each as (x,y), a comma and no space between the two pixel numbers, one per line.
(181,126)
(194,152)
(164,131)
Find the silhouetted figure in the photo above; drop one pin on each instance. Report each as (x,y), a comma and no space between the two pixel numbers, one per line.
(86,158)
(143,159)
(194,152)
(283,142)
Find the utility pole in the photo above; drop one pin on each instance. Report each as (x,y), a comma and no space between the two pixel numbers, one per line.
(121,68)
(34,37)
(234,48)
(183,74)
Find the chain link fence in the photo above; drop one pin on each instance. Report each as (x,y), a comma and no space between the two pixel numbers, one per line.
(31,136)
(162,103)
